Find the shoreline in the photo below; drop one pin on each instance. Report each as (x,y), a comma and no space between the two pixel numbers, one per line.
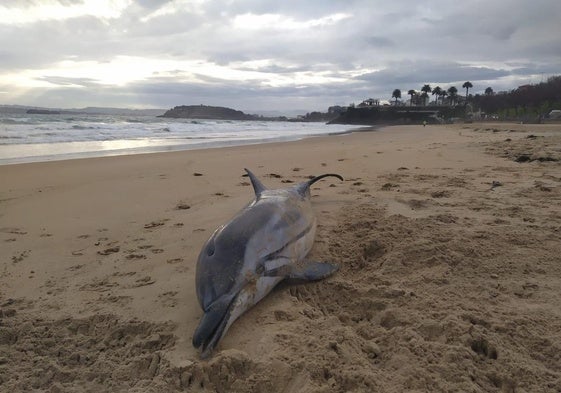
(154,145)
(448,249)
(155,149)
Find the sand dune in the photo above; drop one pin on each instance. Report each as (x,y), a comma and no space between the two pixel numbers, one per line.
(449,240)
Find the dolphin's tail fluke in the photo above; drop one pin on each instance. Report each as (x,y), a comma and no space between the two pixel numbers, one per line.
(303,188)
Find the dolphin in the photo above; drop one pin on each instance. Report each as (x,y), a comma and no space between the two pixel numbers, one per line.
(244,259)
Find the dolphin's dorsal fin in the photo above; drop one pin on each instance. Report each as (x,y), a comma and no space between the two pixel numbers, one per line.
(258,187)
(304,187)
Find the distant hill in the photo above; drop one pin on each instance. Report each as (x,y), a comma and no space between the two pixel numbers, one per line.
(89,110)
(15,108)
(42,112)
(207,112)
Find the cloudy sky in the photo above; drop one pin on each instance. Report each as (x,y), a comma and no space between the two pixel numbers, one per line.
(265,55)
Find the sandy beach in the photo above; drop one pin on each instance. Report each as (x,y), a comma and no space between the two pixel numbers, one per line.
(448,236)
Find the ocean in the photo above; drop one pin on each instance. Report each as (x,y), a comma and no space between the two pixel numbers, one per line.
(36,137)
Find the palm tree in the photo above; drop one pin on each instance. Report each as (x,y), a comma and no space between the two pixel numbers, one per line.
(412,93)
(424,97)
(437,91)
(452,92)
(467,85)
(489,91)
(396,94)
(443,94)
(426,90)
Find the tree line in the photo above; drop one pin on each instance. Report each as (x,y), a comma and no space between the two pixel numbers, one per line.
(524,101)
(421,97)
(528,101)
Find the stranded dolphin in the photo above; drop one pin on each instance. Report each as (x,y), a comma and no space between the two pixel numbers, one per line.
(244,259)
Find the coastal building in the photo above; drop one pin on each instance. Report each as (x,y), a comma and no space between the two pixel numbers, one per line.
(369,102)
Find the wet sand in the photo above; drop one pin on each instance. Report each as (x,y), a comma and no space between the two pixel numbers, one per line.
(449,240)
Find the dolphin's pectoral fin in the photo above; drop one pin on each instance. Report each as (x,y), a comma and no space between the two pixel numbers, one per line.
(305,270)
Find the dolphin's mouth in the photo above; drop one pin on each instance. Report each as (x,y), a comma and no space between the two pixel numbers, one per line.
(212,325)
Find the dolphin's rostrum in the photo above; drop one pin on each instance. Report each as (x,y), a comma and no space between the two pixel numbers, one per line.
(244,259)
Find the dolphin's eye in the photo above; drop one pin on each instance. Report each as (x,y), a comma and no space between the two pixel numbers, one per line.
(210,250)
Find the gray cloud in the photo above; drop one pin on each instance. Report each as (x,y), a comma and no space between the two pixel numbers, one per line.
(379,42)
(67,81)
(152,4)
(410,74)
(388,45)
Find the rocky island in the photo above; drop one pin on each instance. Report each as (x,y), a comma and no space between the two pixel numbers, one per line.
(207,112)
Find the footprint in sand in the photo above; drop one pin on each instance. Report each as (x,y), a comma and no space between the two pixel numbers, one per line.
(123,274)
(182,269)
(415,204)
(110,250)
(14,231)
(75,267)
(168,298)
(441,194)
(7,313)
(21,256)
(485,349)
(145,246)
(144,281)
(99,285)
(114,299)
(182,206)
(155,224)
(424,177)
(53,287)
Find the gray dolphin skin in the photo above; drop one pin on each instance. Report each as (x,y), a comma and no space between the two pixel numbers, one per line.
(244,259)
